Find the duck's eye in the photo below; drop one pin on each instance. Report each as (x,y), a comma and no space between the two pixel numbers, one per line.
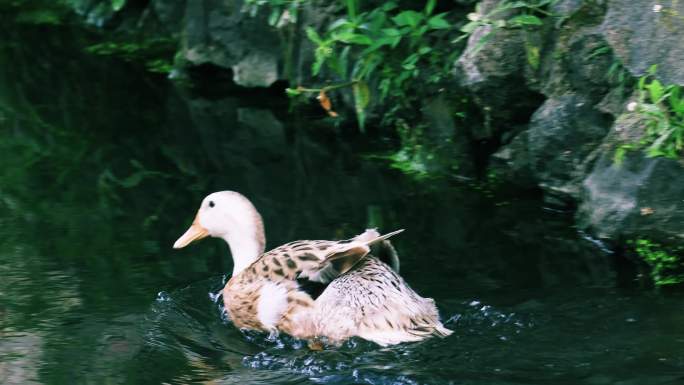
(211,204)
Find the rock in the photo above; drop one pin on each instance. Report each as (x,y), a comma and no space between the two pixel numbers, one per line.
(563,133)
(221,34)
(577,59)
(565,7)
(494,73)
(556,149)
(642,37)
(170,14)
(512,162)
(445,143)
(638,198)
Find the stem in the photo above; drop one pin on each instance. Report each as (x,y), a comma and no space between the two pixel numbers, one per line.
(328,88)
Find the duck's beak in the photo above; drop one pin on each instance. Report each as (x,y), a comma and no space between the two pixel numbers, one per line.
(195,232)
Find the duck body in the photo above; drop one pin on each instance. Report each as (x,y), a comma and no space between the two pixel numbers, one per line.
(364,296)
(373,302)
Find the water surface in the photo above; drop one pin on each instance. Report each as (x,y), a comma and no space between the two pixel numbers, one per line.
(104,166)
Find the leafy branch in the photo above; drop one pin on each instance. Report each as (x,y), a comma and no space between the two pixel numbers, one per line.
(662,106)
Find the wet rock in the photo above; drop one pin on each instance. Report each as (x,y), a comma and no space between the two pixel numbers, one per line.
(576,58)
(556,149)
(447,147)
(640,197)
(221,34)
(562,135)
(492,68)
(169,13)
(512,162)
(642,34)
(637,197)
(566,7)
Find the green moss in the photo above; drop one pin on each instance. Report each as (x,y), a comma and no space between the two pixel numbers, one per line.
(155,53)
(532,55)
(666,268)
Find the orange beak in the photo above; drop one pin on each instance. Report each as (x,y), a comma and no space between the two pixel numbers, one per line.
(194,233)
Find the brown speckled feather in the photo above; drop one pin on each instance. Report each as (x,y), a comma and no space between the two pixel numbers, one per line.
(318,260)
(373,302)
(364,296)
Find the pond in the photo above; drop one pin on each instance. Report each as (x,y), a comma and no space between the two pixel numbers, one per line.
(104,166)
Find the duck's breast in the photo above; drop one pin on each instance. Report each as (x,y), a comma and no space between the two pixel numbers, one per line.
(241,300)
(263,304)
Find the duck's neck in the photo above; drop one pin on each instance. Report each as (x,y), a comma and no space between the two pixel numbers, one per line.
(244,250)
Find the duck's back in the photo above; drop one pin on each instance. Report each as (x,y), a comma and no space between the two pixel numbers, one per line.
(373,302)
(266,294)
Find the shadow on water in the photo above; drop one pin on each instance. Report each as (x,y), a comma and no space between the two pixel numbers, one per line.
(104,166)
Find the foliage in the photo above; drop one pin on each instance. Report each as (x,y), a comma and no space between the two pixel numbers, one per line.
(662,107)
(384,46)
(55,12)
(155,53)
(393,56)
(666,269)
(529,14)
(281,11)
(411,159)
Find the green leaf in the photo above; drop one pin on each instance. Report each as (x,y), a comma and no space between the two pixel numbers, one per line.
(480,44)
(391,32)
(408,18)
(523,20)
(438,22)
(619,155)
(313,36)
(321,54)
(274,17)
(342,22)
(656,90)
(118,4)
(430,6)
(384,88)
(642,83)
(361,100)
(367,67)
(353,38)
(352,7)
(388,6)
(377,22)
(515,4)
(378,43)
(344,61)
(470,27)
(532,56)
(292,92)
(676,101)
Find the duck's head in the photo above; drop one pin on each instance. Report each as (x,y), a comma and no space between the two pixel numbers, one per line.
(232,217)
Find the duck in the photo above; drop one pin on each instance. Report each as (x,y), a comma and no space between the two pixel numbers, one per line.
(361,292)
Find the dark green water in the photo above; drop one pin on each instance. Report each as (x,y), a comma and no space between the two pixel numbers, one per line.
(103,167)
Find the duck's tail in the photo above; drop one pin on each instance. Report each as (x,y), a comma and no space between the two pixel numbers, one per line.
(382,247)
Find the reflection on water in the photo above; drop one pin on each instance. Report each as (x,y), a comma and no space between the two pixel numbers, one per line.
(103,166)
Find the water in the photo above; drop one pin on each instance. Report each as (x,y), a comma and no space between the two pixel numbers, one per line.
(104,166)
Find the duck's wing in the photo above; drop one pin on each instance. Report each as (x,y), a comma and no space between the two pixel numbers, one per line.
(373,302)
(318,261)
